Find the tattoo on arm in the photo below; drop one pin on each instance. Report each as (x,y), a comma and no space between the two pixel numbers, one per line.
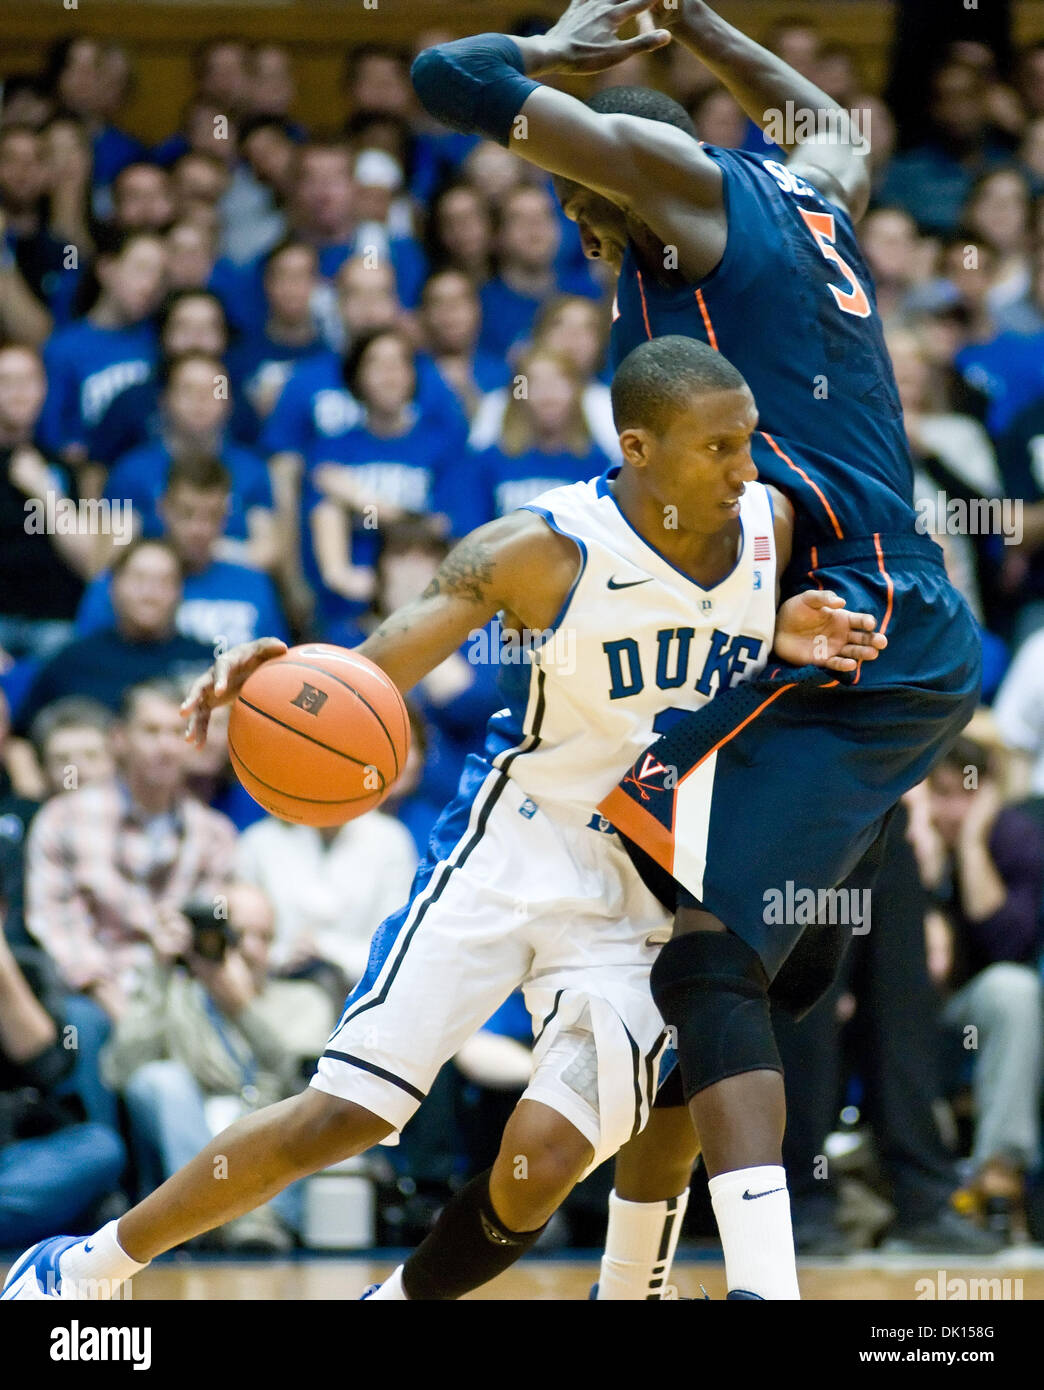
(465,573)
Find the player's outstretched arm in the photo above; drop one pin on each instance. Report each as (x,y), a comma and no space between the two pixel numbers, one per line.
(834,161)
(485,85)
(815,628)
(516,565)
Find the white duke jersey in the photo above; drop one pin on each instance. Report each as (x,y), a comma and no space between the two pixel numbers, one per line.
(636,644)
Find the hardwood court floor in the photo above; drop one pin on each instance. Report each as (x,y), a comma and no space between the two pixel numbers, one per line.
(553,1280)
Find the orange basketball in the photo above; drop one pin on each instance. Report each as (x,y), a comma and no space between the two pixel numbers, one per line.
(318,735)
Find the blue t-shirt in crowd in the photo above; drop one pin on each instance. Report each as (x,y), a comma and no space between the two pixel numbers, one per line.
(224,601)
(418,472)
(933,185)
(43,260)
(140,477)
(241,288)
(235,802)
(408,261)
(489,373)
(436,158)
(1010,369)
(506,481)
(259,367)
(87,369)
(317,407)
(507,315)
(170,150)
(229,282)
(104,664)
(134,418)
(113,149)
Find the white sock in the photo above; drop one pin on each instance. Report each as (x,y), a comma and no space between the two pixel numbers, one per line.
(752,1209)
(97,1271)
(391,1288)
(639,1247)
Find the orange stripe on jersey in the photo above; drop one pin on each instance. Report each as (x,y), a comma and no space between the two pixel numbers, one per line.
(712,337)
(740,727)
(815,565)
(891,594)
(888,581)
(645,307)
(815,488)
(638,825)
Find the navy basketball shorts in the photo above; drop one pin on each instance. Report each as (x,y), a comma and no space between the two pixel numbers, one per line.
(762,802)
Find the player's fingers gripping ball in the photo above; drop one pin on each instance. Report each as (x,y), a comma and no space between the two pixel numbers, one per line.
(318,735)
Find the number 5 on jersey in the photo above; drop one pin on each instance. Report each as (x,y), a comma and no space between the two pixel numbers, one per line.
(823,228)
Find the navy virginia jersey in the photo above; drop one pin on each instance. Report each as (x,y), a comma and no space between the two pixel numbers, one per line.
(792,306)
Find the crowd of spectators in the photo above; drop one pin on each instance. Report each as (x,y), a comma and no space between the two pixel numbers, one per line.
(253,381)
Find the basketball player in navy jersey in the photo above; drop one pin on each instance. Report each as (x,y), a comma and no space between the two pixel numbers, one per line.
(780,782)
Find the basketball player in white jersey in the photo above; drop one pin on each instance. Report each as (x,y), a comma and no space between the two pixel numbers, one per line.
(642,593)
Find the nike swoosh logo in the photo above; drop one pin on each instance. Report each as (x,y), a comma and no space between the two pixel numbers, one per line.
(491,1233)
(749,1196)
(87,1248)
(631,584)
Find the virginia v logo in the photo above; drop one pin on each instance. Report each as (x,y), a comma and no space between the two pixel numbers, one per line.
(310,699)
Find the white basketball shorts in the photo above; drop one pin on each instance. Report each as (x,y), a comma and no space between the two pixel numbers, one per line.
(512,895)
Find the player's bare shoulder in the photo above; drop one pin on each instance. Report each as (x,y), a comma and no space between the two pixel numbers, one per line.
(528,567)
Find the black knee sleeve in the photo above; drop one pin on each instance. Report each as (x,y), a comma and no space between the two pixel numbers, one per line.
(468,1246)
(712,990)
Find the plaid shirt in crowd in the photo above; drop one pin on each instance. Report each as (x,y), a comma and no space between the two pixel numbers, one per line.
(98,869)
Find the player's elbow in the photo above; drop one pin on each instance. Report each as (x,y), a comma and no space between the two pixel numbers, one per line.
(429,77)
(851,169)
(474,85)
(857,186)
(838,162)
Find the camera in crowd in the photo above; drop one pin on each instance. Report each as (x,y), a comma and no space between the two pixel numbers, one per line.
(211,936)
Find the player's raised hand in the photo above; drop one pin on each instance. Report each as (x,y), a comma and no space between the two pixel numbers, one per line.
(815,628)
(673,14)
(586,37)
(223,682)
